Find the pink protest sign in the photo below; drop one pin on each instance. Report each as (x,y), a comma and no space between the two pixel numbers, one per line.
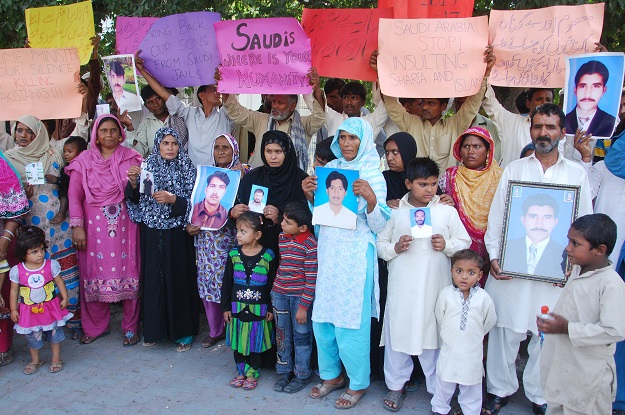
(530,45)
(260,56)
(445,57)
(428,9)
(180,50)
(130,31)
(39,82)
(342,40)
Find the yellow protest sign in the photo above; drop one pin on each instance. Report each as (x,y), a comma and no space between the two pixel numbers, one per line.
(62,27)
(39,82)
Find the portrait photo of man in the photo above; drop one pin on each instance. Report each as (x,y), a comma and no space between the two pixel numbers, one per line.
(334,212)
(209,213)
(536,253)
(257,199)
(126,101)
(147,184)
(590,86)
(421,229)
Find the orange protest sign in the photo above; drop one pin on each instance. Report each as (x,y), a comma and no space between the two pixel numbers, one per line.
(429,9)
(39,82)
(342,40)
(530,45)
(445,57)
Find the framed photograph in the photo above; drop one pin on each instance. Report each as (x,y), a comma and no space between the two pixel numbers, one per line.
(122,78)
(213,196)
(336,204)
(258,198)
(536,222)
(592,92)
(420,223)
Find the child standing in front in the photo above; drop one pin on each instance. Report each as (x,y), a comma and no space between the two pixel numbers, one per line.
(577,370)
(245,300)
(418,270)
(292,296)
(465,313)
(40,309)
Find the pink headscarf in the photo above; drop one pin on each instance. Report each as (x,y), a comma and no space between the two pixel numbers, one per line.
(103,180)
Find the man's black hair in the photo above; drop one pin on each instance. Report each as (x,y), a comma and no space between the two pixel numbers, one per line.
(116,68)
(532,91)
(548,109)
(219,175)
(323,150)
(590,68)
(354,88)
(333,84)
(335,175)
(540,199)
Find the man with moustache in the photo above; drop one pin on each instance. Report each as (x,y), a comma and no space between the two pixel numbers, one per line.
(536,253)
(518,301)
(590,86)
(210,213)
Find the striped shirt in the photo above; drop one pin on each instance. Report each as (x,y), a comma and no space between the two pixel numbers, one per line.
(297,272)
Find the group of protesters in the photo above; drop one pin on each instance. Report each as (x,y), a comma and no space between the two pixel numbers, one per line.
(374,300)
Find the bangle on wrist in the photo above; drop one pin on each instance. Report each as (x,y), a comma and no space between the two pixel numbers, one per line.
(11,233)
(7,238)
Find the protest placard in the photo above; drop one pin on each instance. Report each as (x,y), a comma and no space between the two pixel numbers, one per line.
(62,27)
(180,50)
(260,56)
(445,58)
(429,9)
(530,45)
(130,31)
(39,82)
(342,40)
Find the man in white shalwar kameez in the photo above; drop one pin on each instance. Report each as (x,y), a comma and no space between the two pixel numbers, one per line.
(518,301)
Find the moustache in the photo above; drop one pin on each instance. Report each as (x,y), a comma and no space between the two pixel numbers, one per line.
(587,100)
(544,138)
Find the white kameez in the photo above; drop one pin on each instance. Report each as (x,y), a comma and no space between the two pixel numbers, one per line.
(417,276)
(518,301)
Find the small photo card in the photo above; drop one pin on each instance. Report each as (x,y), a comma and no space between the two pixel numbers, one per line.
(146,182)
(258,198)
(35,174)
(336,204)
(420,223)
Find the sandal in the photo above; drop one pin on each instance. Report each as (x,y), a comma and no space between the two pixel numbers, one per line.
(457,411)
(352,399)
(211,341)
(183,347)
(6,358)
(56,367)
(297,385)
(411,386)
(32,368)
(130,339)
(396,400)
(324,388)
(248,385)
(236,382)
(77,334)
(84,339)
(494,405)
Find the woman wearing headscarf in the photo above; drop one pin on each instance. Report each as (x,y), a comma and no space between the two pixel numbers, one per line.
(347,293)
(13,205)
(106,239)
(212,247)
(281,175)
(472,185)
(33,146)
(169,291)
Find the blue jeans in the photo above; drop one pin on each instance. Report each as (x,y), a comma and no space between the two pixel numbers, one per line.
(292,338)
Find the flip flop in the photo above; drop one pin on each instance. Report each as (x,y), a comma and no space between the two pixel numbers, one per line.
(130,339)
(6,358)
(352,399)
(248,385)
(32,368)
(325,388)
(56,367)
(84,339)
(396,398)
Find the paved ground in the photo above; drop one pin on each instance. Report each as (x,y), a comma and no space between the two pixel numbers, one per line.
(106,378)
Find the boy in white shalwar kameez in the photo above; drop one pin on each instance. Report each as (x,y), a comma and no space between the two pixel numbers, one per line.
(418,270)
(465,313)
(577,370)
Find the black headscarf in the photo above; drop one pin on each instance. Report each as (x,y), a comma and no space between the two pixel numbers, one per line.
(284,182)
(396,180)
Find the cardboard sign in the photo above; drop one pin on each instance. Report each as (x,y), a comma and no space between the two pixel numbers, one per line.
(429,9)
(260,56)
(180,50)
(39,82)
(130,31)
(62,27)
(342,40)
(530,45)
(445,58)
